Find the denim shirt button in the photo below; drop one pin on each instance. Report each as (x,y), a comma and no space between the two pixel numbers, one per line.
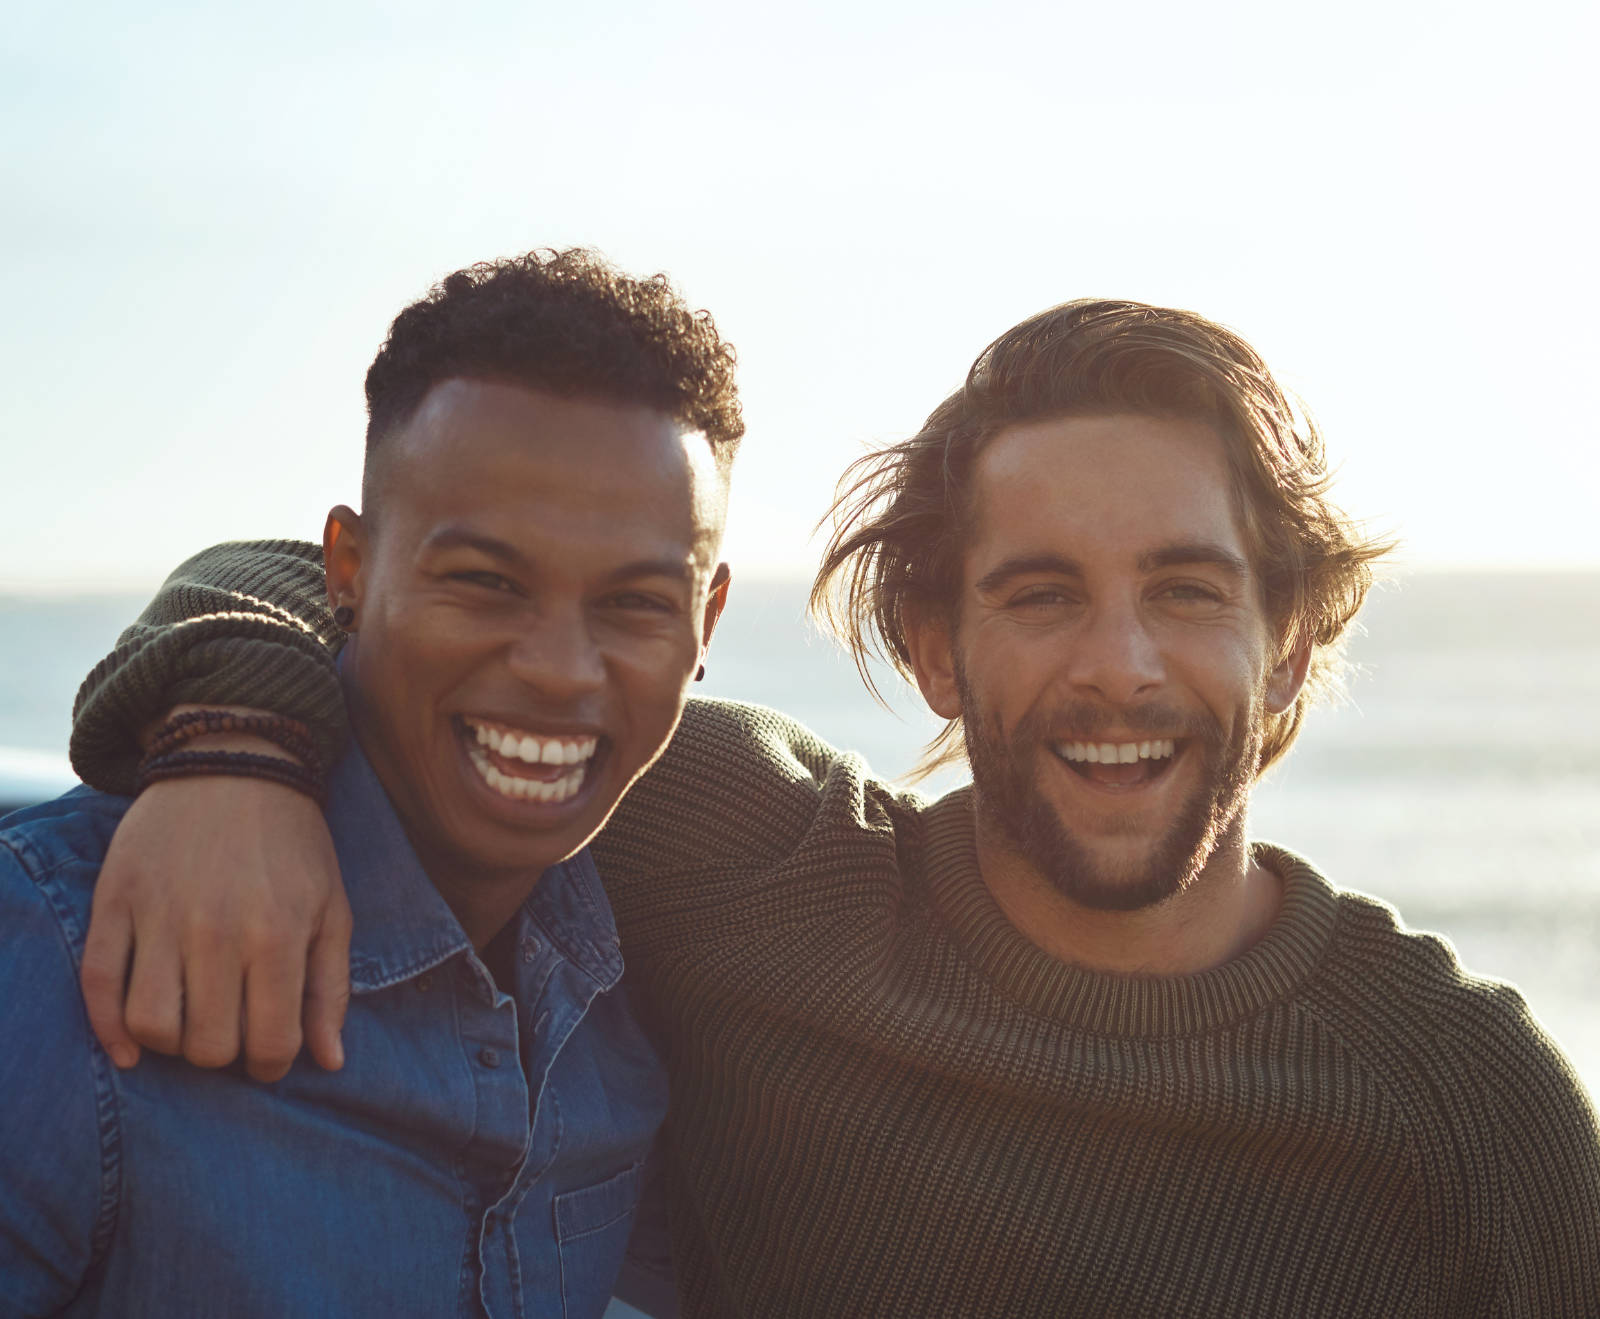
(424,983)
(489,1057)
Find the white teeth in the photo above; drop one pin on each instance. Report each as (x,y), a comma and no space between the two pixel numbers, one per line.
(532,749)
(508,785)
(1116,753)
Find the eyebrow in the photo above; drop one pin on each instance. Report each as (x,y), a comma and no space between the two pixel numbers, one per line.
(1195,552)
(1178,554)
(1022,564)
(454,537)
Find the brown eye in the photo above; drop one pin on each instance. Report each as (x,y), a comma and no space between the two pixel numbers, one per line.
(491,581)
(641,601)
(1191,593)
(1040,597)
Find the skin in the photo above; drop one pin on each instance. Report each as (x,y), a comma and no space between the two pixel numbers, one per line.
(539,563)
(1107,595)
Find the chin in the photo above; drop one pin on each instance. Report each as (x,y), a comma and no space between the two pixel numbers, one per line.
(1101,885)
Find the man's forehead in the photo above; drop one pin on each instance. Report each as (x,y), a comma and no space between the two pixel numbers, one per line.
(1136,480)
(497,453)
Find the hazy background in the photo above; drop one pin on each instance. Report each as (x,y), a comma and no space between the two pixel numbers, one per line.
(212,213)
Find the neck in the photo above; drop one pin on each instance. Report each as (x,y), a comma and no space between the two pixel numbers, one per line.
(482,904)
(1214,918)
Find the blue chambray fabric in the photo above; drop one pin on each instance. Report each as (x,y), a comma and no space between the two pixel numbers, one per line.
(479,1154)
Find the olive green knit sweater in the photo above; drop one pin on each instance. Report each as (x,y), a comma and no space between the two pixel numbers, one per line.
(886,1101)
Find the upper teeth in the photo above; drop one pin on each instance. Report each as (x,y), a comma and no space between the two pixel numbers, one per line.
(1116,753)
(530,747)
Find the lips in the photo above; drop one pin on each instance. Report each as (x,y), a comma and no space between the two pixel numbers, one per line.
(527,765)
(1119,765)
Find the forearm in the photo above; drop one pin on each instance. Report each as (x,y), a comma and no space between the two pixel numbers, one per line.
(244,623)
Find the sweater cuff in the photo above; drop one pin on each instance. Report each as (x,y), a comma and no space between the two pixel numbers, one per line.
(236,625)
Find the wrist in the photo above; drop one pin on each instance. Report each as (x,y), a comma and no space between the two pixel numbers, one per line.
(196,733)
(236,741)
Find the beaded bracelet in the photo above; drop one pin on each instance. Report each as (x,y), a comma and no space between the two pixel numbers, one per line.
(290,734)
(238,764)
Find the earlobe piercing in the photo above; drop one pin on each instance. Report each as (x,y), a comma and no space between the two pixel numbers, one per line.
(343,616)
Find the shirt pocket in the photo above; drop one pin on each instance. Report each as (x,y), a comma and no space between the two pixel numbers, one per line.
(592,1228)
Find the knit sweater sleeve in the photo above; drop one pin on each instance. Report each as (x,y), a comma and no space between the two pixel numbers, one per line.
(1549,1166)
(737,784)
(243,623)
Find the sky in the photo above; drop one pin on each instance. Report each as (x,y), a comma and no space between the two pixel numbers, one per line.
(213,212)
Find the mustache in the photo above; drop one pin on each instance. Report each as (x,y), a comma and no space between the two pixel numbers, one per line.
(1087,721)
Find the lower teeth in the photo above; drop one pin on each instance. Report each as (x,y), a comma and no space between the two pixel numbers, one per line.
(516,789)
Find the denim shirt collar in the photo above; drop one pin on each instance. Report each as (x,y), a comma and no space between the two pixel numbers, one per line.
(401,926)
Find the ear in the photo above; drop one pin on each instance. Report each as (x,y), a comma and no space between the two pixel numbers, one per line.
(716,601)
(343,553)
(1286,680)
(931,641)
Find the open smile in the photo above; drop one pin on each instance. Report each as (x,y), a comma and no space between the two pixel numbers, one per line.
(528,767)
(1121,766)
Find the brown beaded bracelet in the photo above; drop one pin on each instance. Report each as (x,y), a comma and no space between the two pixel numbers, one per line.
(290,734)
(238,764)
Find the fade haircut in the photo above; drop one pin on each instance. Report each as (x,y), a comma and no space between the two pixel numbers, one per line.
(902,513)
(568,323)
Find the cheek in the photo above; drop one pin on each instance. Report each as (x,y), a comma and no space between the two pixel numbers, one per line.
(652,682)
(1009,667)
(1226,671)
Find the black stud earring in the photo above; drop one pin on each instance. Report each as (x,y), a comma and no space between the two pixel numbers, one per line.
(700,674)
(343,616)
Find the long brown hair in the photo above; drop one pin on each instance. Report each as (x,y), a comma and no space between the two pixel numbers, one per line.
(901,514)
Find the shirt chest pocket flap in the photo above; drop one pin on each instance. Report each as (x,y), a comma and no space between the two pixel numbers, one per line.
(592,1226)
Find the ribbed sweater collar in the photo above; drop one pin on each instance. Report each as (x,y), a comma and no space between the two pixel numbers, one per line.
(1126,1005)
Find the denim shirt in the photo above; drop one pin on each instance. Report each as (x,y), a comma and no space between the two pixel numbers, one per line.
(433,1175)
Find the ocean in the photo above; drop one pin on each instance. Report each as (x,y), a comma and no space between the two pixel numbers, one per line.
(1459,781)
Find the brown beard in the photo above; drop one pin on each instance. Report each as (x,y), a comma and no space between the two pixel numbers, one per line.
(1008,798)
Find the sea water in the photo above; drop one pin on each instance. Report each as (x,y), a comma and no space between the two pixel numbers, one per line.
(1460,781)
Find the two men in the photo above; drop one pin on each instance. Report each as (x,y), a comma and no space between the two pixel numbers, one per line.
(1064,1041)
(536,556)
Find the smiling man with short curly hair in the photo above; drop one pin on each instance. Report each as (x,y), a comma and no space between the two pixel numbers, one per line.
(523,600)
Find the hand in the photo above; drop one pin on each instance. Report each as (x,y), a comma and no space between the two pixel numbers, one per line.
(224,895)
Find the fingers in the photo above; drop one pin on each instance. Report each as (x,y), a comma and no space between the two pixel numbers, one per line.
(211,992)
(104,975)
(273,982)
(328,989)
(153,1012)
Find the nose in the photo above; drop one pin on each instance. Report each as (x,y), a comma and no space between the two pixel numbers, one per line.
(1114,656)
(555,654)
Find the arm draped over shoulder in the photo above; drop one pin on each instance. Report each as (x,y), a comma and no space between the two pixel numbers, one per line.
(242,623)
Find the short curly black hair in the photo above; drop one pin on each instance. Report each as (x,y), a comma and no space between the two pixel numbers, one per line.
(567,322)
